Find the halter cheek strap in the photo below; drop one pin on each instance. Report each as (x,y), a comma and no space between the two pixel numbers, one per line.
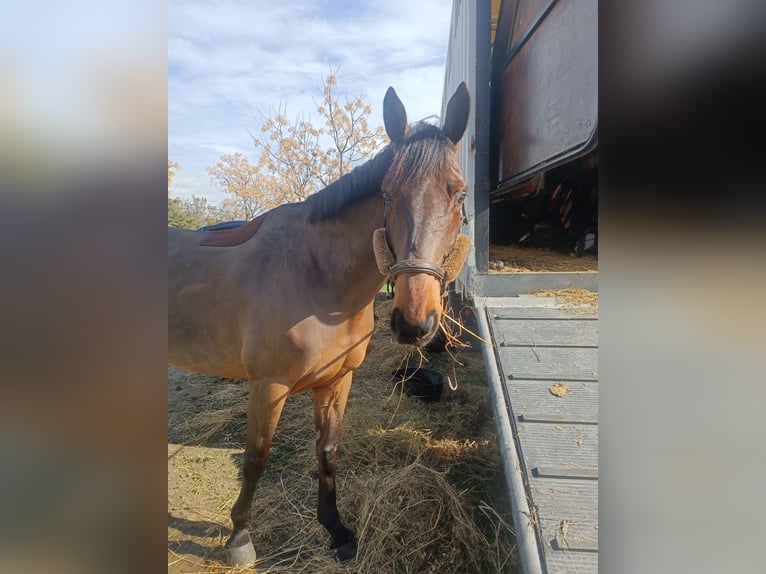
(383,255)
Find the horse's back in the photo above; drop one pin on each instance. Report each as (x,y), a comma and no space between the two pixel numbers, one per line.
(219,296)
(188,263)
(204,302)
(263,306)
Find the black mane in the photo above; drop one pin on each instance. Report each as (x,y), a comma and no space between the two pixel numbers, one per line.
(360,183)
(365,180)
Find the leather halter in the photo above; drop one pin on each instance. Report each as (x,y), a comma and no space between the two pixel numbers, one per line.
(416,266)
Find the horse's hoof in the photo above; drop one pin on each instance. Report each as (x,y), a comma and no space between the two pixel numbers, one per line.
(241,556)
(239,550)
(346,552)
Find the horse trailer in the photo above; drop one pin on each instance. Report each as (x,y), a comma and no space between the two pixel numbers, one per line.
(530,159)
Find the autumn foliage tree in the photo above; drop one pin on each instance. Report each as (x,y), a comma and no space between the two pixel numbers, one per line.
(250,193)
(350,136)
(290,157)
(296,158)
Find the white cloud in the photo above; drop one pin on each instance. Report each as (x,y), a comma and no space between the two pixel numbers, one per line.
(231,62)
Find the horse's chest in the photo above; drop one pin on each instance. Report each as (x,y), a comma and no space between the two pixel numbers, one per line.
(330,352)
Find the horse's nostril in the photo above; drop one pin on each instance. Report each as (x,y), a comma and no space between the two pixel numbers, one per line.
(428,326)
(408,333)
(396,316)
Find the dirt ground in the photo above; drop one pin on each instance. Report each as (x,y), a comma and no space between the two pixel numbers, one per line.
(525,258)
(420,484)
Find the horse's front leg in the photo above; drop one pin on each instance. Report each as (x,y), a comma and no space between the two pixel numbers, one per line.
(329,405)
(264,406)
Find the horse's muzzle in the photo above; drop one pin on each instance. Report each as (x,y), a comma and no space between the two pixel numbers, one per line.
(408,334)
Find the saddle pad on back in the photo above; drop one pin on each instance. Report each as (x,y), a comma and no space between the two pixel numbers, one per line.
(231,237)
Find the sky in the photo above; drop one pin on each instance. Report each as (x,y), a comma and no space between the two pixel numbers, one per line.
(231,62)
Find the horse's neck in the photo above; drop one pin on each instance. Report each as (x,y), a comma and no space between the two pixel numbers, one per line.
(344,249)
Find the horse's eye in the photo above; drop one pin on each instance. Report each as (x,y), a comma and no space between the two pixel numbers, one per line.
(460,198)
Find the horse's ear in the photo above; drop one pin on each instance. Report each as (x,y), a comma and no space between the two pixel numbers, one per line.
(394,116)
(456,118)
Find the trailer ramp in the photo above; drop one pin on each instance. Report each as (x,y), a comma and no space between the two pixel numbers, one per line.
(541,358)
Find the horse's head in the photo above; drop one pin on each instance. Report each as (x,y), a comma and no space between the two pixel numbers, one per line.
(423,192)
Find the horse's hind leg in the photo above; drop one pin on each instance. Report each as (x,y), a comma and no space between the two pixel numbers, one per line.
(264,406)
(329,405)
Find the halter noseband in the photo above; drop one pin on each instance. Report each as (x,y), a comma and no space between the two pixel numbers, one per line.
(416,266)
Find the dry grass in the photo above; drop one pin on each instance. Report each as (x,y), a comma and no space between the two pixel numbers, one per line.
(527,258)
(421,485)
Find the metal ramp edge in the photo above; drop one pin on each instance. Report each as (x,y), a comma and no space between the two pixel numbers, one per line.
(526,536)
(529,342)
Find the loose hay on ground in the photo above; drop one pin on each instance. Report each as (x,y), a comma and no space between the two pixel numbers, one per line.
(572,297)
(421,485)
(412,519)
(527,258)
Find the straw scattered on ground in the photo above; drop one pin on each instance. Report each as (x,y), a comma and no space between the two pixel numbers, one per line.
(421,485)
(571,298)
(527,258)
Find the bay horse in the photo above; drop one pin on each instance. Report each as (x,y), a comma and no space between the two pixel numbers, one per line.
(289,305)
